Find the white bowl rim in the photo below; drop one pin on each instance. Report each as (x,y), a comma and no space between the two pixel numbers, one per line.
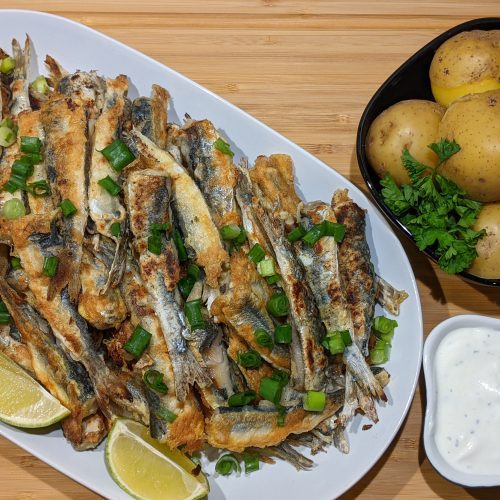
(431,344)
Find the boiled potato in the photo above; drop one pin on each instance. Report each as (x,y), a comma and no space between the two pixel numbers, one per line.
(411,124)
(468,63)
(487,264)
(474,123)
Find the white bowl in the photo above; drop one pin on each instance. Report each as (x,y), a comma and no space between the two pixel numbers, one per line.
(430,347)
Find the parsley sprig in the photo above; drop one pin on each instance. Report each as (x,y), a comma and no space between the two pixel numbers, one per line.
(436,210)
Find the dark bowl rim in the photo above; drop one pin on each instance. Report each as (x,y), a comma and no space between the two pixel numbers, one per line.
(363,129)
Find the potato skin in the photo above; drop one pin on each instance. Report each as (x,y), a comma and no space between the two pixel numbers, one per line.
(487,264)
(467,63)
(411,124)
(474,123)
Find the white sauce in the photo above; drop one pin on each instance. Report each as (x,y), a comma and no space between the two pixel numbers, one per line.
(467,367)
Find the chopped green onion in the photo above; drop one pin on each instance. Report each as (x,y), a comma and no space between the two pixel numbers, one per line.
(263,338)
(179,244)
(223,147)
(192,310)
(346,337)
(280,420)
(256,253)
(154,380)
(7,122)
(33,158)
(50,265)
(251,463)
(194,271)
(380,353)
(22,168)
(283,334)
(14,183)
(382,325)
(116,229)
(314,234)
(314,401)
(166,414)
(159,227)
(250,359)
(4,314)
(39,84)
(281,376)
(138,341)
(7,137)
(334,341)
(67,208)
(296,234)
(13,209)
(270,389)
(334,229)
(227,464)
(38,188)
(272,280)
(30,144)
(230,232)
(118,155)
(185,286)
(154,244)
(15,263)
(109,185)
(266,267)
(241,398)
(7,65)
(240,239)
(278,304)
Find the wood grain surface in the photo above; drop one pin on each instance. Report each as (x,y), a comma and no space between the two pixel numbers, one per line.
(307,69)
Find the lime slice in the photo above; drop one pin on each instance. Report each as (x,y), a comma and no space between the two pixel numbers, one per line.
(23,401)
(147,469)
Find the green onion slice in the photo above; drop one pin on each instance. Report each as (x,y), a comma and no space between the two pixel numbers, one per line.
(166,414)
(194,271)
(334,229)
(159,227)
(155,244)
(272,280)
(7,65)
(67,208)
(241,398)
(7,122)
(280,420)
(296,234)
(116,229)
(138,342)
(109,185)
(185,286)
(38,188)
(118,155)
(223,147)
(283,334)
(335,342)
(227,464)
(382,325)
(256,253)
(192,310)
(13,209)
(250,359)
(15,263)
(240,239)
(179,244)
(14,183)
(154,380)
(314,234)
(39,84)
(251,463)
(278,304)
(281,376)
(263,338)
(50,265)
(230,232)
(7,137)
(4,314)
(266,267)
(314,401)
(30,144)
(22,168)
(380,353)
(270,389)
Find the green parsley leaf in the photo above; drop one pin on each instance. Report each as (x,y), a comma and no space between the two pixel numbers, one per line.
(444,149)
(414,168)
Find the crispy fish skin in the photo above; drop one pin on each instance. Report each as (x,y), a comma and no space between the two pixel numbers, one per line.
(200,233)
(34,239)
(388,297)
(65,128)
(212,169)
(12,346)
(105,209)
(20,100)
(147,196)
(188,428)
(238,428)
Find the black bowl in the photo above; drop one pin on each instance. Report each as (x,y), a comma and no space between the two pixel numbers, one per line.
(410,81)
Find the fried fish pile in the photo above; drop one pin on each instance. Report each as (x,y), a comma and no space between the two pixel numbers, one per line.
(156,294)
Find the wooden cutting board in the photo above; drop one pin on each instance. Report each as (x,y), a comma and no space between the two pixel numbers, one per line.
(307,69)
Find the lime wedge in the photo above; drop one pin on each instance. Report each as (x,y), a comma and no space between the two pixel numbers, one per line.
(147,469)
(23,401)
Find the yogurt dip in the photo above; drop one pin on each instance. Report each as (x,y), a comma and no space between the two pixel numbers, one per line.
(467,430)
